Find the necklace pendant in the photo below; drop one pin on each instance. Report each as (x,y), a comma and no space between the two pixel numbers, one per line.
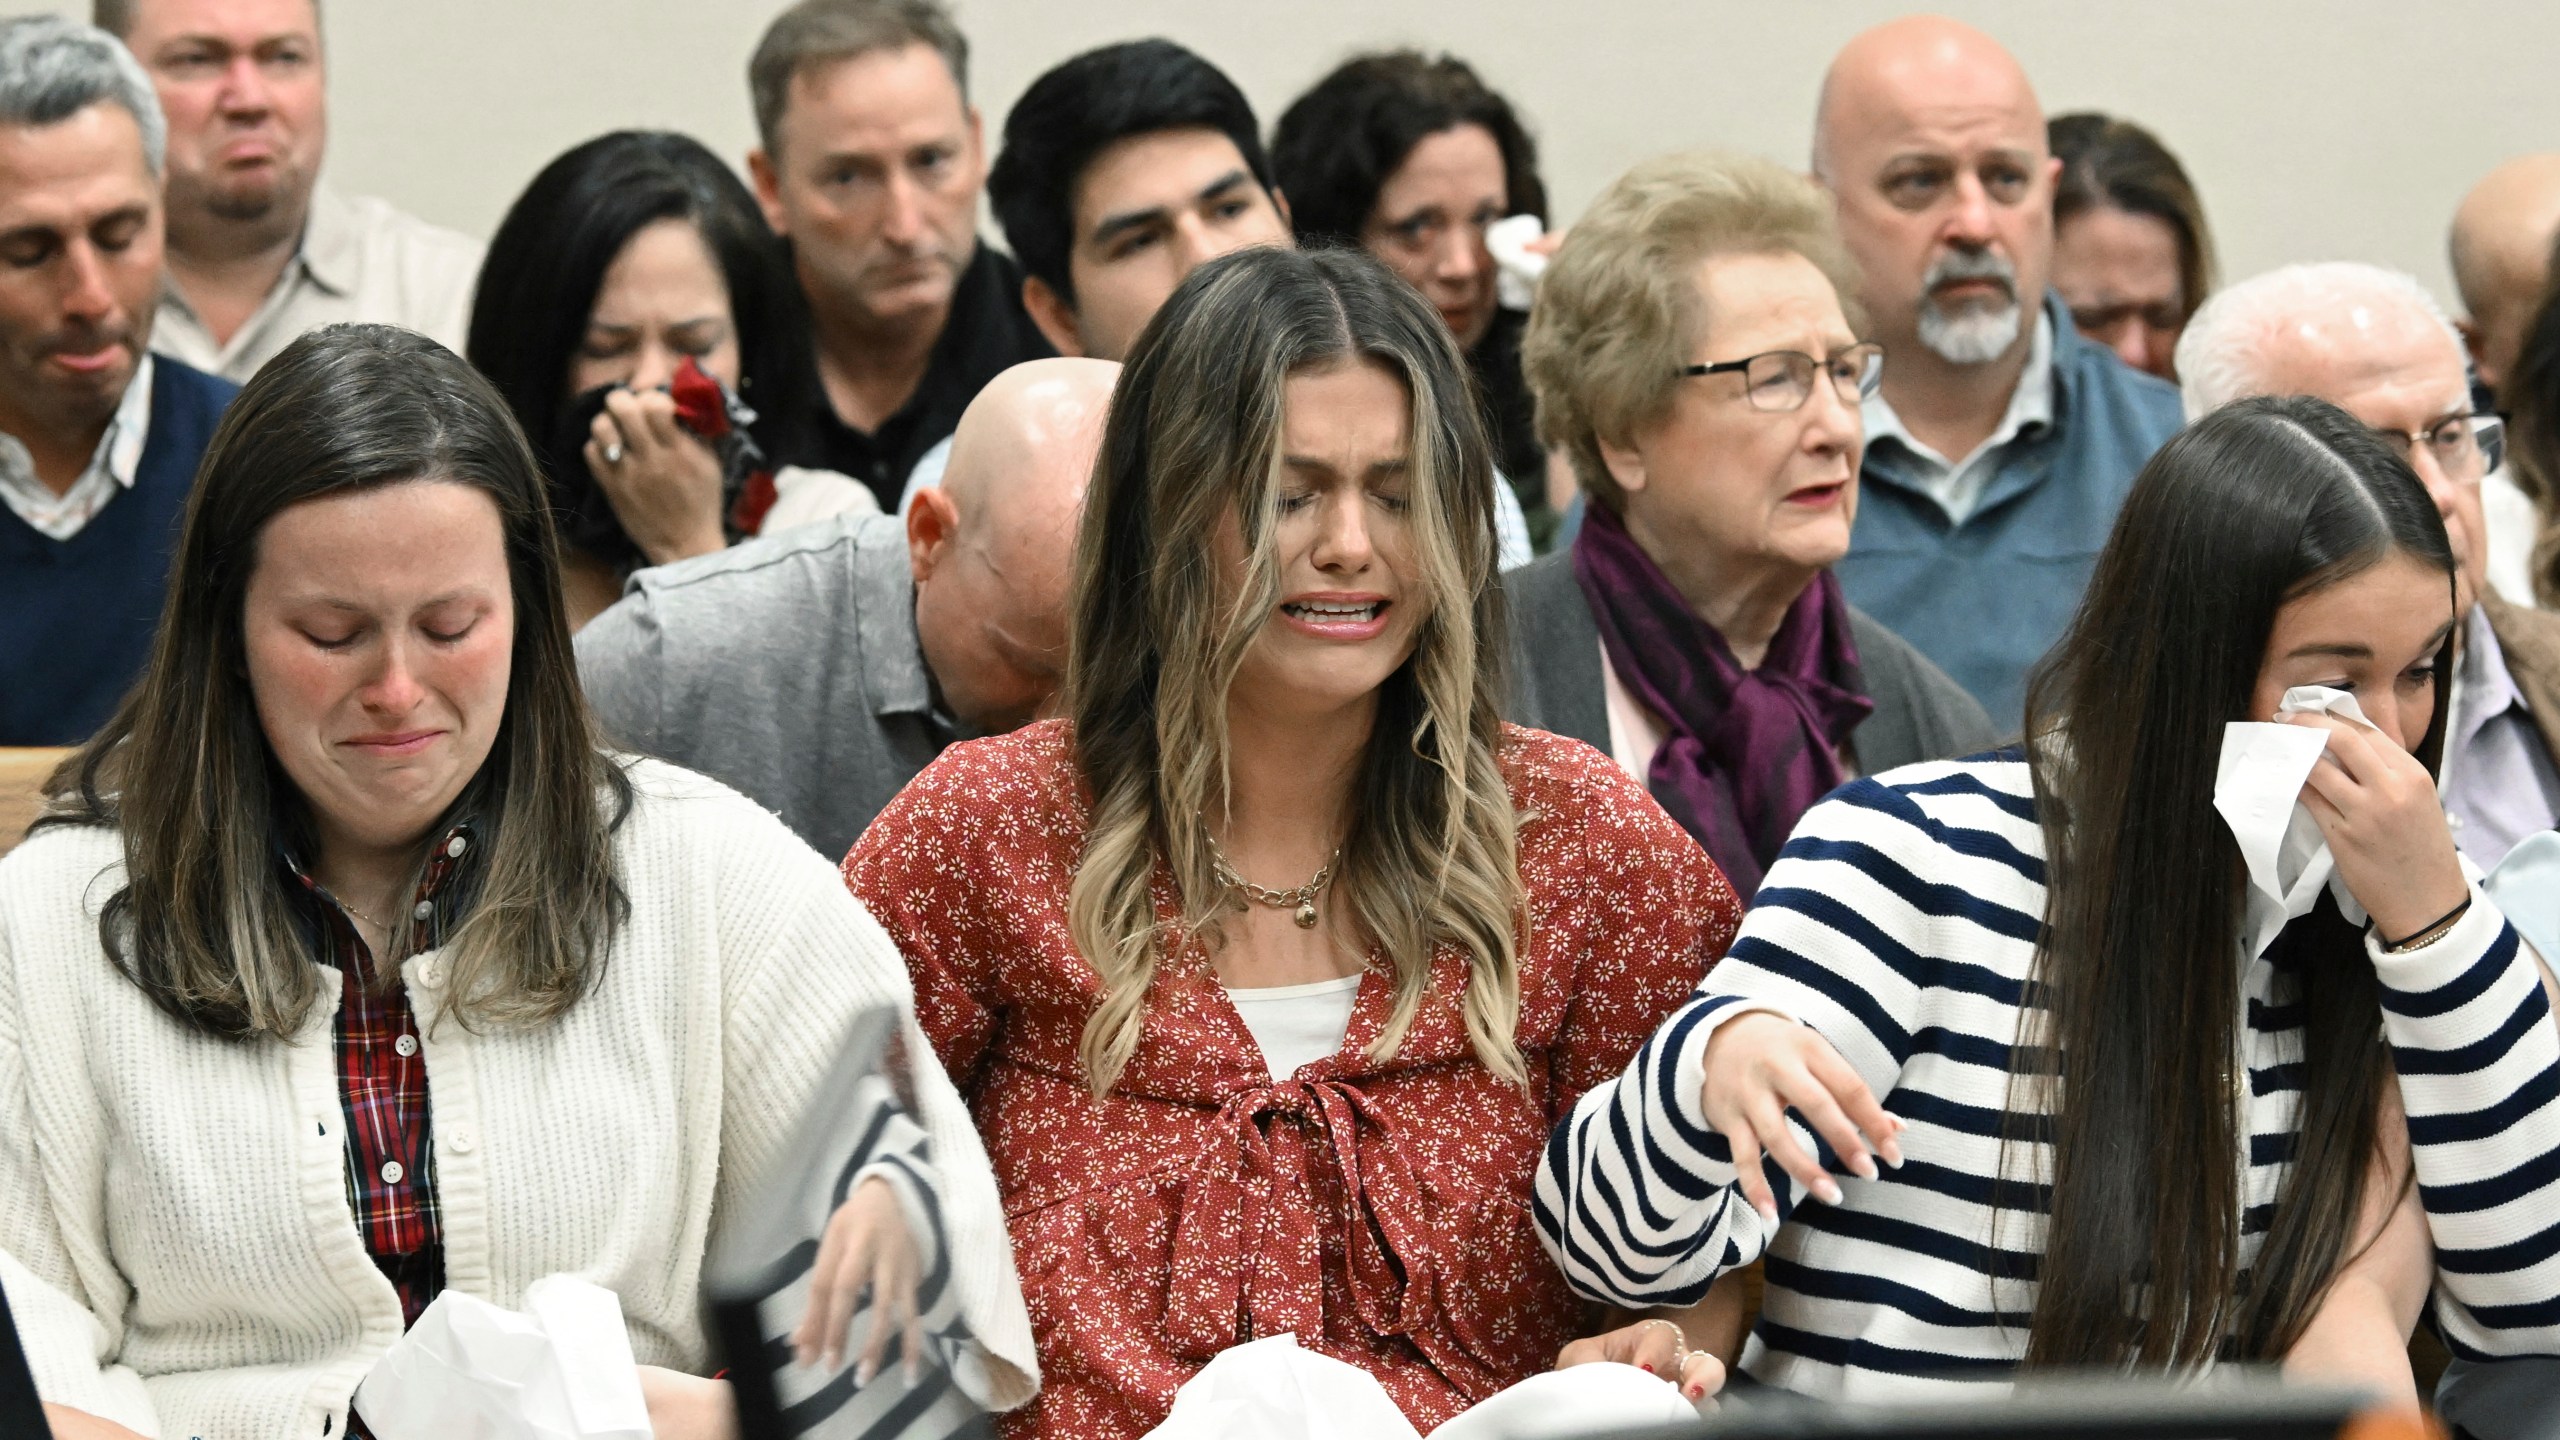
(1306,914)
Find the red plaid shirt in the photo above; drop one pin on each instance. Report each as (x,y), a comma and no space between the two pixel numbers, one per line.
(382,1080)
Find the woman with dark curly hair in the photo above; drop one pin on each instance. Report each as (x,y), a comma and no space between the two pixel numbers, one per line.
(1411,157)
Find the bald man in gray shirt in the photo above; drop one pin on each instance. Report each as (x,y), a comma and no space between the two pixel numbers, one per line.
(819,669)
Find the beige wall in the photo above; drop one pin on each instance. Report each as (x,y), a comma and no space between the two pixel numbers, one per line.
(2316,131)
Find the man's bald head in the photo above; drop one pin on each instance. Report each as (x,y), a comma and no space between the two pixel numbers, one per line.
(2501,250)
(2370,341)
(1933,142)
(991,547)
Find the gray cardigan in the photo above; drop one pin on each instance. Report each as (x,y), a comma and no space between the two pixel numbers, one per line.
(1556,679)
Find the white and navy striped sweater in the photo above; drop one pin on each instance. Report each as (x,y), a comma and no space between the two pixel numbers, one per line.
(1900,921)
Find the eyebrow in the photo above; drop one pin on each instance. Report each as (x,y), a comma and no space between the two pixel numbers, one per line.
(2355,650)
(1384,469)
(1110,226)
(122,213)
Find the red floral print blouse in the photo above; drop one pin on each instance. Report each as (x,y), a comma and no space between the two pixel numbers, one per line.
(1380,1210)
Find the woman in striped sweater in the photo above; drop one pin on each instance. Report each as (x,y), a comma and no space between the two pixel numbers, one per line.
(2181,1152)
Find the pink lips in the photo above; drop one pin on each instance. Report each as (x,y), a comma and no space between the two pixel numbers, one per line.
(87,362)
(1819,497)
(1333,615)
(393,746)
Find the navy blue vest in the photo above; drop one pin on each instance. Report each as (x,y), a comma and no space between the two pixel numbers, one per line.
(77,615)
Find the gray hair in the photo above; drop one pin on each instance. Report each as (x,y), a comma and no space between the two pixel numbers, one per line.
(52,69)
(2223,353)
(821,32)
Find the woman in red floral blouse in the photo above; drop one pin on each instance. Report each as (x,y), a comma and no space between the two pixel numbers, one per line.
(1267,972)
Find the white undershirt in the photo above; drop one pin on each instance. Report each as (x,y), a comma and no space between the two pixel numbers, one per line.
(1297,1024)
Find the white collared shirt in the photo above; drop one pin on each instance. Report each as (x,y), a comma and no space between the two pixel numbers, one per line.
(109,473)
(1957,485)
(361,260)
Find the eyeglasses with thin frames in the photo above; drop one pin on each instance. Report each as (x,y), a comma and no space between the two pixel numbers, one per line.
(1781,380)
(2464,447)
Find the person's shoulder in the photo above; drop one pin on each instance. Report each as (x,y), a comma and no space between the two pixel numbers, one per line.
(180,385)
(1993,789)
(386,229)
(1543,589)
(1033,764)
(687,812)
(820,552)
(2099,382)
(61,873)
(1893,664)
(1552,775)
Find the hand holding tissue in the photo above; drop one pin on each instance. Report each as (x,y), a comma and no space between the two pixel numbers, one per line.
(2380,797)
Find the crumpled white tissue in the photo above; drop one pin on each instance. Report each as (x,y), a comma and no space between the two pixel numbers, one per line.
(560,1369)
(1270,1389)
(1599,1399)
(2257,787)
(2526,889)
(1516,267)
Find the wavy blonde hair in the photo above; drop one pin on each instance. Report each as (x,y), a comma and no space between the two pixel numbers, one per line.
(1158,630)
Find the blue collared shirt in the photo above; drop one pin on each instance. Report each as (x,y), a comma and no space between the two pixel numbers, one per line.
(2499,783)
(1987,595)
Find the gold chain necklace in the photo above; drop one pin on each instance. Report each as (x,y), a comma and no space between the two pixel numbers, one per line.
(1301,900)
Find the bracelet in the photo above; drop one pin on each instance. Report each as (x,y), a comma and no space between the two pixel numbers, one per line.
(2427,934)
(1679,1337)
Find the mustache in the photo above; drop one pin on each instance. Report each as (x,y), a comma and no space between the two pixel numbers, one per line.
(1958,265)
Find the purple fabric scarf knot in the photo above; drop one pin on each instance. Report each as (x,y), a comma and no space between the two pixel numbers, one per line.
(1748,751)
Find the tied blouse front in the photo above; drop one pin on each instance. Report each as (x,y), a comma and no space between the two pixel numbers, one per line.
(1379,1210)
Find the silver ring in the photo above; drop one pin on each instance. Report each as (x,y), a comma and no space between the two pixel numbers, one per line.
(613,454)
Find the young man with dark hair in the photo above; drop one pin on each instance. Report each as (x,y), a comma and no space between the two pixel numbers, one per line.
(870,164)
(1123,170)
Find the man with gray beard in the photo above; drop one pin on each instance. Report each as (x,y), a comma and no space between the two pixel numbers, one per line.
(2000,443)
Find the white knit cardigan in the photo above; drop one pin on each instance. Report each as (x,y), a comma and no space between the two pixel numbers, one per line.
(173,1210)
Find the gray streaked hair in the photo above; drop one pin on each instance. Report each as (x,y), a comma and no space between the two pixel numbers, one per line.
(822,32)
(52,69)
(2222,356)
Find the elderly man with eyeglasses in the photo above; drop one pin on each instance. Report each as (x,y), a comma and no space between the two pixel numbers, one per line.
(2374,343)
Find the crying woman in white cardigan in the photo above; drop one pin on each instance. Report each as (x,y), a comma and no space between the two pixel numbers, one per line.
(349,966)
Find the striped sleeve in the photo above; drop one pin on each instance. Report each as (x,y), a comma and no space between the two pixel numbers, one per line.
(2472,1037)
(1874,901)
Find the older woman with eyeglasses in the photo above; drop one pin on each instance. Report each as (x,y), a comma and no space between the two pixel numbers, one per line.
(1692,353)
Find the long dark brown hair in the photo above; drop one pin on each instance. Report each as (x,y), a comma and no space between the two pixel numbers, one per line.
(2530,396)
(2112,162)
(184,772)
(1157,633)
(2138,971)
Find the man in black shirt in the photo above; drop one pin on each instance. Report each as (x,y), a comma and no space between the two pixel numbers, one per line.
(871,163)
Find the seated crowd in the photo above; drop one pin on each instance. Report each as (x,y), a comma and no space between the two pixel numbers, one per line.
(1657,794)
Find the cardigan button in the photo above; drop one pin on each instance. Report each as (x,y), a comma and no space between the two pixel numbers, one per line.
(463,1142)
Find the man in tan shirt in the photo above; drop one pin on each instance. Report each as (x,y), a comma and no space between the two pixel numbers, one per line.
(259,252)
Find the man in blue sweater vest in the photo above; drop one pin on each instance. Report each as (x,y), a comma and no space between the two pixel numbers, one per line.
(98,441)
(2000,444)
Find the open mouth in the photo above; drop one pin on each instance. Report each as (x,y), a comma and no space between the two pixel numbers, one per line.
(1325,612)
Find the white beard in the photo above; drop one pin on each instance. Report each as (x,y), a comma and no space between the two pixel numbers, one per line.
(1974,335)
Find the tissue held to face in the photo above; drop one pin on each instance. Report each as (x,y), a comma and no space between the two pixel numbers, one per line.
(2375,634)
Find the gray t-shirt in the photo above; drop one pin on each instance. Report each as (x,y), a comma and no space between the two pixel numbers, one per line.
(787,667)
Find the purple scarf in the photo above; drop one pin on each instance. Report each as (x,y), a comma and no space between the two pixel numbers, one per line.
(1749,751)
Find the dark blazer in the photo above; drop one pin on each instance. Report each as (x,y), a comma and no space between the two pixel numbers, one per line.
(1556,679)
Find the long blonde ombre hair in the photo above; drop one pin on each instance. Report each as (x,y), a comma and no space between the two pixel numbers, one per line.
(1158,630)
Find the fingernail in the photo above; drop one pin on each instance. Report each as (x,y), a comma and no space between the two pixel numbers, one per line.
(1768,1211)
(862,1373)
(1865,1165)
(1646,1369)
(1693,1390)
(1829,1192)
